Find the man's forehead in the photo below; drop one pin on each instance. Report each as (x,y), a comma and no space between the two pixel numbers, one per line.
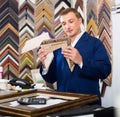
(68,16)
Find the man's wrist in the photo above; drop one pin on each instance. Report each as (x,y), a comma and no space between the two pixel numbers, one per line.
(81,64)
(45,71)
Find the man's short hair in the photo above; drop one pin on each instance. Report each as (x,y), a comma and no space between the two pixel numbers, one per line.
(67,10)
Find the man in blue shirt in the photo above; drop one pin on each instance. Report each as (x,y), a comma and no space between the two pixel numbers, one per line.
(86,52)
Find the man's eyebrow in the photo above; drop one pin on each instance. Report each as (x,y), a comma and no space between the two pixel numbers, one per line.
(63,22)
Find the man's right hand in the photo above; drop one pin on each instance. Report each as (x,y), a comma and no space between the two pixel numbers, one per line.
(42,55)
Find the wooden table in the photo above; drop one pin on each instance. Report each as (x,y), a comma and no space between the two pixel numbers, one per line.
(69,100)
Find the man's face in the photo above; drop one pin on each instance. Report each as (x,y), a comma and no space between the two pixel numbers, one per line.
(71,24)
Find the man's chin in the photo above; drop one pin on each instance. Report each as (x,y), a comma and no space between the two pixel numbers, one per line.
(70,35)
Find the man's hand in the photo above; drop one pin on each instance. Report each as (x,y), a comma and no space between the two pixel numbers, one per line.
(72,53)
(42,55)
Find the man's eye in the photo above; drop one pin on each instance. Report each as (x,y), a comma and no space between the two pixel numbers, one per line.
(71,21)
(63,23)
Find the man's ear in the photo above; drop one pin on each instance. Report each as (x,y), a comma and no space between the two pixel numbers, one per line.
(80,20)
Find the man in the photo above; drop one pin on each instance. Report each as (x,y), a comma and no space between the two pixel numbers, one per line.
(88,54)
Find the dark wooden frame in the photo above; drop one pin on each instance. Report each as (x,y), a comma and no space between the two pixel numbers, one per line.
(73,100)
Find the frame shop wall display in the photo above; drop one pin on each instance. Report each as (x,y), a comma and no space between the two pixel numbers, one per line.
(23,20)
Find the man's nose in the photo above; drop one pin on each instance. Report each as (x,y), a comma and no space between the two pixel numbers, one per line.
(67,26)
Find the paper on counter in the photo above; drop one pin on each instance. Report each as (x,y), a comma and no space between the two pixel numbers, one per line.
(14,104)
(50,102)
